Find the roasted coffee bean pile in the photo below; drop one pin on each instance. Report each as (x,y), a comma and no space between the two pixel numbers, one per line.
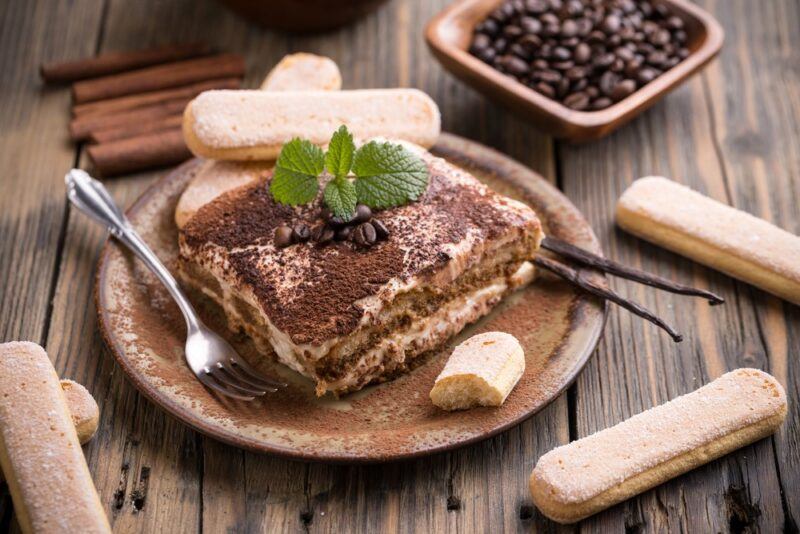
(587,54)
(361,229)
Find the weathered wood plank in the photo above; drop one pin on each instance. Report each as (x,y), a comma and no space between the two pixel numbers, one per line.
(636,366)
(34,152)
(756,131)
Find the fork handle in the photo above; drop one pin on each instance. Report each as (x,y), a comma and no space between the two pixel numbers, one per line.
(92,198)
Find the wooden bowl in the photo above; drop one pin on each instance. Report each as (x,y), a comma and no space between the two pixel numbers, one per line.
(449,34)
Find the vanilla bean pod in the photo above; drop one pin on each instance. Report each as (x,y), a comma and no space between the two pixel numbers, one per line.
(572,275)
(614,268)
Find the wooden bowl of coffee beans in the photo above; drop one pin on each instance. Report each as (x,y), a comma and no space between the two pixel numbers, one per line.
(578,69)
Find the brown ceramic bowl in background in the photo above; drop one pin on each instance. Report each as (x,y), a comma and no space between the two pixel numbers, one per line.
(302,15)
(449,34)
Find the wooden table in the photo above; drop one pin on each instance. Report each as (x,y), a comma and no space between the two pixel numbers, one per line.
(731,132)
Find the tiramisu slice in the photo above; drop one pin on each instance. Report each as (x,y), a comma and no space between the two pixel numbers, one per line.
(345,315)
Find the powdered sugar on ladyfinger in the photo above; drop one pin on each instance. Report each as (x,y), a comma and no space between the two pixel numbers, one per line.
(247,125)
(567,479)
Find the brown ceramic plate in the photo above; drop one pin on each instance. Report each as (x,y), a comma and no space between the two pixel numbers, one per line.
(449,33)
(558,327)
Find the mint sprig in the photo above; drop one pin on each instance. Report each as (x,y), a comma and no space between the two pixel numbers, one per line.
(339,157)
(386,174)
(340,197)
(295,179)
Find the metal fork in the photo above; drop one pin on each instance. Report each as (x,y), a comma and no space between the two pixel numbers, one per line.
(213,360)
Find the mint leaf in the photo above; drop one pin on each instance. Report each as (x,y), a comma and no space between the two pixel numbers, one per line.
(340,197)
(295,179)
(388,175)
(340,152)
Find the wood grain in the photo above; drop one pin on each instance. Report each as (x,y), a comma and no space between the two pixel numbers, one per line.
(731,133)
(636,367)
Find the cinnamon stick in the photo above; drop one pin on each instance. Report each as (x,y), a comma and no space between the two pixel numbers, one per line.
(137,128)
(164,76)
(153,97)
(113,62)
(82,127)
(575,277)
(159,149)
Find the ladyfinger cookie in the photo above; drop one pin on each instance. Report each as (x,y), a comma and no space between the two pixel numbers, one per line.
(482,371)
(719,236)
(82,408)
(295,72)
(41,457)
(303,71)
(254,125)
(214,178)
(577,480)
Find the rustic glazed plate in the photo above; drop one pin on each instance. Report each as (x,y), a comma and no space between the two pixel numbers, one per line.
(558,327)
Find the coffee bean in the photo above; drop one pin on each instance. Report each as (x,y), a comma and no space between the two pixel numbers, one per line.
(569,28)
(577,101)
(623,53)
(607,82)
(381,231)
(623,89)
(549,76)
(610,24)
(576,73)
(659,38)
(300,233)
(551,30)
(480,42)
(603,61)
(545,89)
(488,26)
(363,213)
(536,7)
(601,103)
(343,233)
(579,85)
(592,91)
(561,54)
(530,25)
(283,236)
(322,235)
(657,59)
(515,65)
(675,23)
(562,88)
(365,235)
(512,31)
(563,65)
(582,53)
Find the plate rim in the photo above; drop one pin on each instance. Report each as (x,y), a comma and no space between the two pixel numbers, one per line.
(451,142)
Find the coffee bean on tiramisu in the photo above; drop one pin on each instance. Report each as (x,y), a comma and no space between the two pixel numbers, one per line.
(365,235)
(322,234)
(283,236)
(362,215)
(381,231)
(343,233)
(301,233)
